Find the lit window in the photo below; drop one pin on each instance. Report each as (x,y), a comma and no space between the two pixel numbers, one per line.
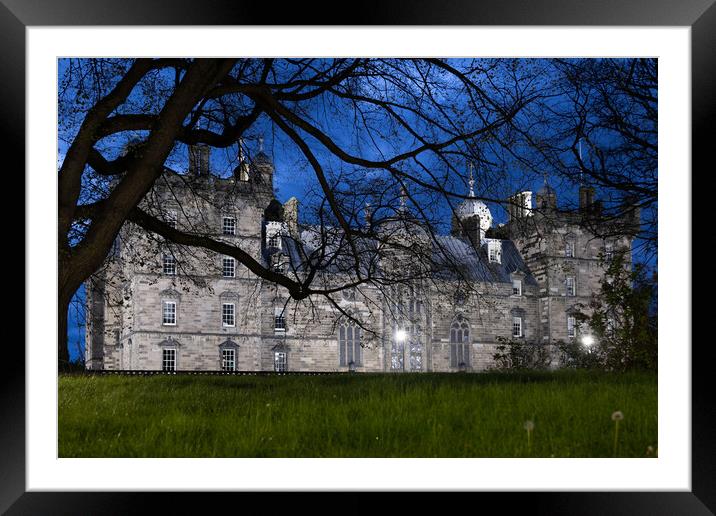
(517,326)
(228,267)
(349,348)
(571,288)
(228,314)
(228,359)
(460,343)
(517,287)
(280,361)
(229,226)
(569,250)
(169,313)
(571,327)
(169,265)
(169,359)
(397,349)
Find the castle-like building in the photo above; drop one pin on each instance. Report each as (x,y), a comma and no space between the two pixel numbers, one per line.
(158,306)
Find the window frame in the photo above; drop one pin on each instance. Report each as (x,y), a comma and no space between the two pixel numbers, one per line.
(165,303)
(165,360)
(569,249)
(224,261)
(349,349)
(169,257)
(280,366)
(571,326)
(571,292)
(224,219)
(460,349)
(517,323)
(224,304)
(279,317)
(224,360)
(519,285)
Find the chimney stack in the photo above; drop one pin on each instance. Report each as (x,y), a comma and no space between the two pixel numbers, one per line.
(199,160)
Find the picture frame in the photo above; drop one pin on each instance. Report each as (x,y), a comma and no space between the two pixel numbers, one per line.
(700,15)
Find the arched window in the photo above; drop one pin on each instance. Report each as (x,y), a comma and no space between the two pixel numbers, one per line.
(349,348)
(416,349)
(460,343)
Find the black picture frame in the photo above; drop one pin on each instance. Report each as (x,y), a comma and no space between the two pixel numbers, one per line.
(700,15)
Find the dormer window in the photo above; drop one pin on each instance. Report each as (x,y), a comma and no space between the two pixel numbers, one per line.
(516,287)
(172,219)
(274,241)
(608,252)
(494,251)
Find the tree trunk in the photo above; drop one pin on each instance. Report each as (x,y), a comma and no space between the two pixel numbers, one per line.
(63,354)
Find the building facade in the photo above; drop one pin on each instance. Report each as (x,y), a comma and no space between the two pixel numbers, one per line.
(156,306)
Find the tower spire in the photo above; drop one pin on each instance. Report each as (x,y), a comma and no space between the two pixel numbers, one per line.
(471,182)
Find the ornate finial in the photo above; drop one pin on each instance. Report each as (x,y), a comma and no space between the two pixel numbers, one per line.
(471,181)
(241,150)
(261,143)
(403,198)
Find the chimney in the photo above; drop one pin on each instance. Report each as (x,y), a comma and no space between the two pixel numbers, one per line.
(290,216)
(586,198)
(199,160)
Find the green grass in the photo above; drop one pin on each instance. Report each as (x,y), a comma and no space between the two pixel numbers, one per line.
(362,415)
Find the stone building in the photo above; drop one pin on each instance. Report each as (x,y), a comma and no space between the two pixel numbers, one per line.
(155,306)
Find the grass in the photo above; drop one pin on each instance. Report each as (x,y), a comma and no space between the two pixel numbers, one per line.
(362,415)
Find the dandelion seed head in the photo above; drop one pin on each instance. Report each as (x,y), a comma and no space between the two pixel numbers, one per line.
(617,416)
(529,426)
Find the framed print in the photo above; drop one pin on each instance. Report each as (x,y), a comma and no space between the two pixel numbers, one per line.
(41,472)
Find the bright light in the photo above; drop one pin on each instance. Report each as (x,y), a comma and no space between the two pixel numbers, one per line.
(587,340)
(400,335)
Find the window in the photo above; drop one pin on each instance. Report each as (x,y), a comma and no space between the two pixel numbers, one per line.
(460,343)
(228,359)
(349,294)
(349,348)
(608,252)
(517,326)
(517,287)
(169,313)
(274,241)
(280,361)
(494,251)
(416,349)
(571,286)
(279,322)
(172,218)
(169,265)
(569,250)
(229,226)
(228,267)
(397,349)
(571,326)
(228,314)
(169,359)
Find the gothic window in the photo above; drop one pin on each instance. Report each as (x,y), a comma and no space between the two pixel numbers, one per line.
(228,359)
(349,347)
(416,349)
(228,267)
(517,326)
(229,226)
(397,350)
(280,361)
(228,315)
(571,326)
(169,265)
(571,286)
(460,343)
(169,313)
(169,359)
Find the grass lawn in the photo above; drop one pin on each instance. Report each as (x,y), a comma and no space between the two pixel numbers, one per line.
(361,415)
